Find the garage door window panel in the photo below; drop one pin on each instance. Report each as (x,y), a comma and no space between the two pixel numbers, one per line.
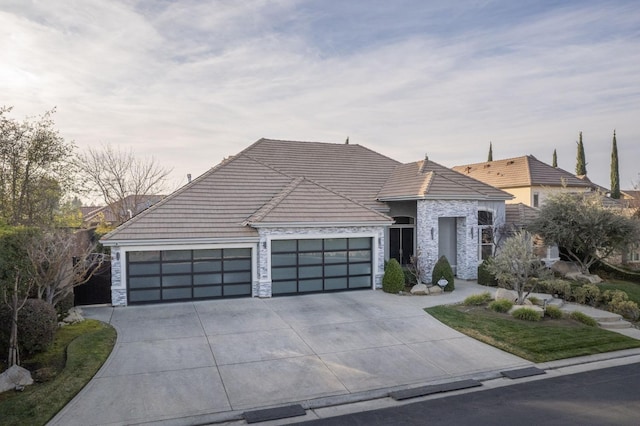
(188,274)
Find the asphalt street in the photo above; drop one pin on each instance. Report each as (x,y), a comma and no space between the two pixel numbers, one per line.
(609,396)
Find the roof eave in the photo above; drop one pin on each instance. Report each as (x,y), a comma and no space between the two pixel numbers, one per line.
(447,197)
(176,241)
(318,224)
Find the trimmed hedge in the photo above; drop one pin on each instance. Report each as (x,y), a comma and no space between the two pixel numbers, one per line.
(442,269)
(393,279)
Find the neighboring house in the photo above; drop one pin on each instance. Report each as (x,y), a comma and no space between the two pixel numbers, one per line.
(117,212)
(528,179)
(286,217)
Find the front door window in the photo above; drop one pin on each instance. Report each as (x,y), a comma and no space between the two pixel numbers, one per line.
(401,240)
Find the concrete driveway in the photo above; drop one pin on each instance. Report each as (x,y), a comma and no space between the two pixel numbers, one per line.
(198,358)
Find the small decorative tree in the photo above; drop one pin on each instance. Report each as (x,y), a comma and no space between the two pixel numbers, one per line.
(393,279)
(516,265)
(442,270)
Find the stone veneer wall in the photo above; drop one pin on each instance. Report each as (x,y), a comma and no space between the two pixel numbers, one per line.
(428,212)
(263,287)
(118,289)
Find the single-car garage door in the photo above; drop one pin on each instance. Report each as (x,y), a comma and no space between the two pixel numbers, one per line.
(318,265)
(172,275)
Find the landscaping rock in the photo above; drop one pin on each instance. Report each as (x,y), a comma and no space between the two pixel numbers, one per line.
(74,315)
(563,268)
(15,377)
(503,293)
(419,289)
(434,289)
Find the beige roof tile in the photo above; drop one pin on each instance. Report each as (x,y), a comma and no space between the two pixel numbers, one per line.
(520,215)
(430,180)
(348,169)
(306,202)
(521,172)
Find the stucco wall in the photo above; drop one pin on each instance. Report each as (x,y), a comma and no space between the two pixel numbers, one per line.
(263,285)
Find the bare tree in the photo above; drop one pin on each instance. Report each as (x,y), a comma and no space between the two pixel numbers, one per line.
(121,179)
(61,260)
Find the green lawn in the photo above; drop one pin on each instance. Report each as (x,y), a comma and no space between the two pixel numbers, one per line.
(540,341)
(78,352)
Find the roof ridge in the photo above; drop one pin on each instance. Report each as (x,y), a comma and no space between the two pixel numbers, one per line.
(266,208)
(527,164)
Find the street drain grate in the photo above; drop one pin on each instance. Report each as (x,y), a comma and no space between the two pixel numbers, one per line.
(431,389)
(523,372)
(274,413)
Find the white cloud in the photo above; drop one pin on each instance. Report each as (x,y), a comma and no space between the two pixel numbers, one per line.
(193,82)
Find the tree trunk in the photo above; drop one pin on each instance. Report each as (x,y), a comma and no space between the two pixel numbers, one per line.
(14,352)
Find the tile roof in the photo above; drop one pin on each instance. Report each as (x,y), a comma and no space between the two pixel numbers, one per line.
(519,215)
(266,183)
(276,182)
(521,172)
(306,202)
(349,169)
(135,203)
(429,180)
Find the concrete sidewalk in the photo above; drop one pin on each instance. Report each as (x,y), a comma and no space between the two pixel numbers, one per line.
(210,361)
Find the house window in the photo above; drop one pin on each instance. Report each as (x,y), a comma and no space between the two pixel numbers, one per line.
(486,244)
(633,255)
(536,199)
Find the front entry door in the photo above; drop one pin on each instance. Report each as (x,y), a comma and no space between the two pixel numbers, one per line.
(401,244)
(447,240)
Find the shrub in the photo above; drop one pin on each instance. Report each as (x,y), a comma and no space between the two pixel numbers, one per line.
(534,300)
(558,287)
(485,277)
(618,302)
(588,294)
(502,305)
(583,318)
(442,269)
(66,303)
(393,279)
(553,312)
(627,308)
(477,299)
(37,324)
(527,314)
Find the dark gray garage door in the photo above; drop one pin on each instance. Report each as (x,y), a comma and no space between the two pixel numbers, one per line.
(156,276)
(319,265)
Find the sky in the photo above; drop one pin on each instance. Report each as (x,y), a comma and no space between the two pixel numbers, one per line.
(191,82)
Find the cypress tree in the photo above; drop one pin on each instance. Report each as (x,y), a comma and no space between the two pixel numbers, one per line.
(490,157)
(555,159)
(615,172)
(581,163)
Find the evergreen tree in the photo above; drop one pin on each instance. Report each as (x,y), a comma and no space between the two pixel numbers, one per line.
(581,163)
(490,158)
(555,159)
(615,172)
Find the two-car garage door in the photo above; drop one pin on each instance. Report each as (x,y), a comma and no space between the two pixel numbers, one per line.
(171,275)
(297,266)
(319,265)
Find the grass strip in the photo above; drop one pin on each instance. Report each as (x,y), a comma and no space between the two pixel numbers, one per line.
(540,341)
(87,346)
